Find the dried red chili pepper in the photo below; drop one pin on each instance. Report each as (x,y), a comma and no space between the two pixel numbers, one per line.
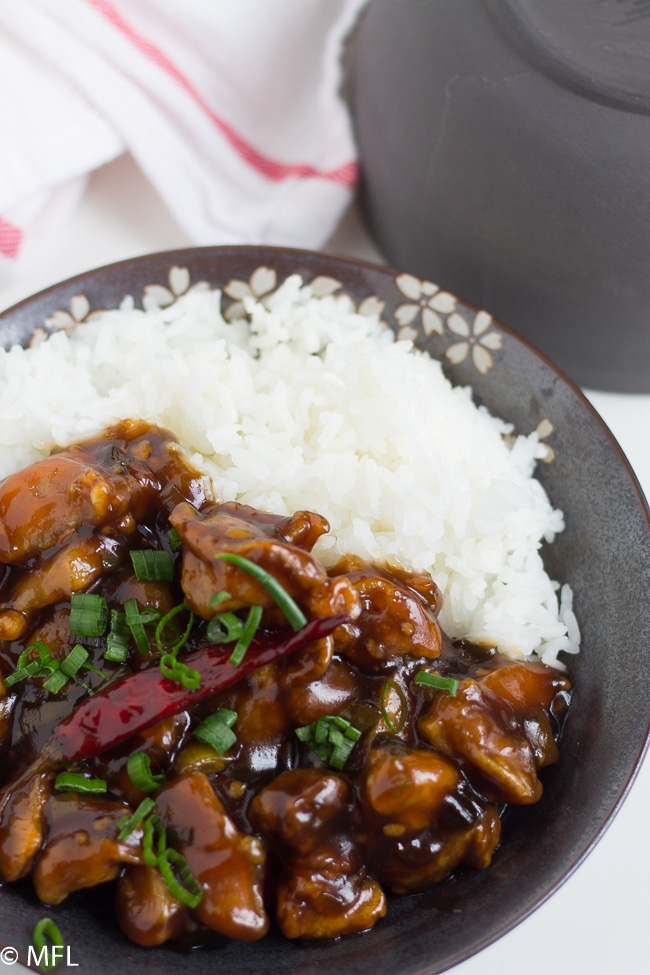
(135,702)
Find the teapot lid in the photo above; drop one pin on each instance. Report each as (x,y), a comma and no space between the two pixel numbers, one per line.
(600,47)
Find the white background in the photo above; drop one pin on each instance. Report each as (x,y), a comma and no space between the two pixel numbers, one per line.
(598,922)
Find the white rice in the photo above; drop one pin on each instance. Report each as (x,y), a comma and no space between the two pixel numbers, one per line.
(307,404)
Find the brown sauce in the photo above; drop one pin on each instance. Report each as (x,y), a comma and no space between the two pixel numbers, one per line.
(273,831)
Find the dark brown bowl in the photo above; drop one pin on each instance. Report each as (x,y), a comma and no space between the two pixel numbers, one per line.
(604,554)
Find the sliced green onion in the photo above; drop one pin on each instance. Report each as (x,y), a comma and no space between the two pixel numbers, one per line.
(88,614)
(152,565)
(56,681)
(248,632)
(68,668)
(281,597)
(216,730)
(154,840)
(130,823)
(42,651)
(74,660)
(341,748)
(46,933)
(138,767)
(31,670)
(27,665)
(17,675)
(392,687)
(218,598)
(332,738)
(117,641)
(426,679)
(172,865)
(175,540)
(180,673)
(137,619)
(224,628)
(181,882)
(165,622)
(74,782)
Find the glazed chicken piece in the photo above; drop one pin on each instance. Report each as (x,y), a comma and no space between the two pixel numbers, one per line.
(330,693)
(147,911)
(481,731)
(45,504)
(278,544)
(159,743)
(330,896)
(66,519)
(107,483)
(526,686)
(324,890)
(81,849)
(74,568)
(228,865)
(497,729)
(534,690)
(423,824)
(398,616)
(262,722)
(22,822)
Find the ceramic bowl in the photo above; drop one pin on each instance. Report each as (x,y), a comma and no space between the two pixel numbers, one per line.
(604,554)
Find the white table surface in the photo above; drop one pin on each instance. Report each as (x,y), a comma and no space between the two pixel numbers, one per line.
(598,922)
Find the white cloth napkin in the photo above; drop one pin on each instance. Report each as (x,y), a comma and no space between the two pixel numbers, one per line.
(232,109)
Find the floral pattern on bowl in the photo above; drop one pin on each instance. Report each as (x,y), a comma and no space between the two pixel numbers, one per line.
(428,313)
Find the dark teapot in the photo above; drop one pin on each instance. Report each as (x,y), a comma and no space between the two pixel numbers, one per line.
(505,155)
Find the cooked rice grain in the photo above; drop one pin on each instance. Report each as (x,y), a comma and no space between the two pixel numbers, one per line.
(308,404)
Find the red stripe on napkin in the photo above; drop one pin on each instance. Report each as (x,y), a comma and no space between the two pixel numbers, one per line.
(11,238)
(346,174)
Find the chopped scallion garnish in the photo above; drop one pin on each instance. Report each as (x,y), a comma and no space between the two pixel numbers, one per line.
(137,619)
(74,782)
(394,718)
(281,597)
(175,540)
(152,565)
(56,681)
(74,661)
(174,669)
(426,679)
(21,674)
(46,934)
(35,653)
(173,867)
(247,634)
(218,598)
(181,882)
(216,730)
(154,840)
(224,628)
(88,614)
(138,767)
(117,641)
(332,738)
(130,823)
(165,623)
(29,665)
